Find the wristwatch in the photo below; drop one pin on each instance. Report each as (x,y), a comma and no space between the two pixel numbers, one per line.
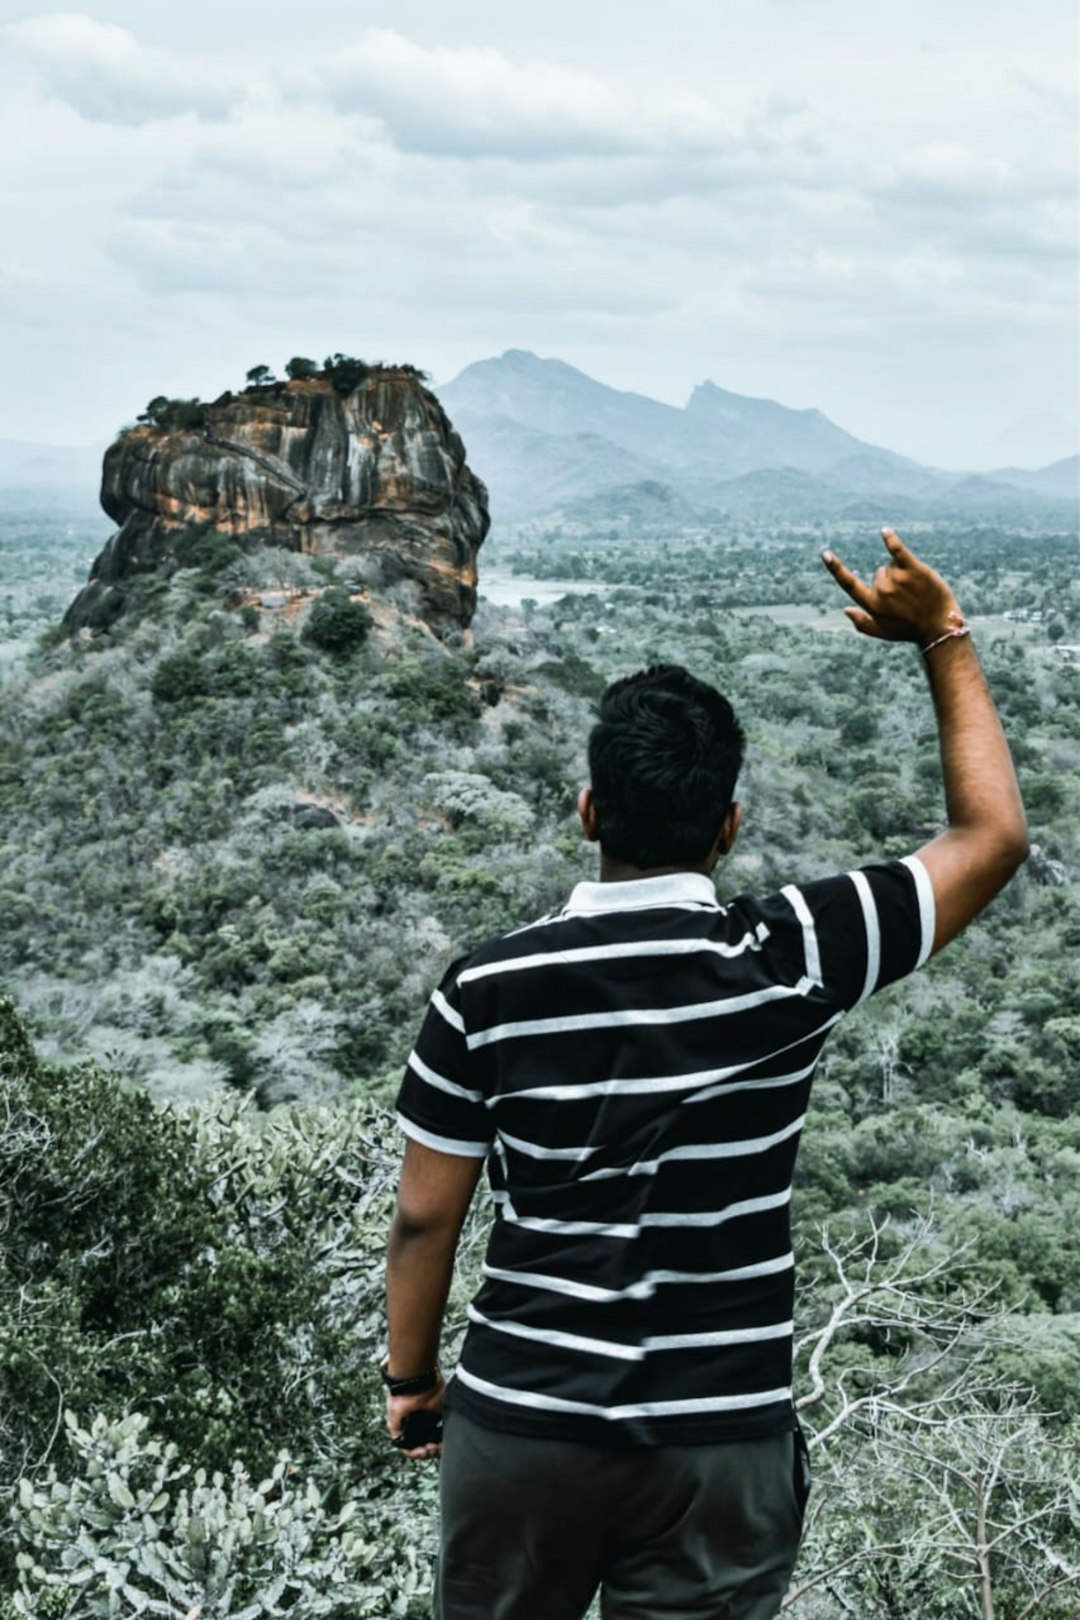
(418,1385)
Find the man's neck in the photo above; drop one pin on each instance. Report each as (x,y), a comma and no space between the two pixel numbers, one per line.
(613,870)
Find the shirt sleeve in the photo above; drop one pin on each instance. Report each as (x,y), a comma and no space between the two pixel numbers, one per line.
(439,1103)
(851,935)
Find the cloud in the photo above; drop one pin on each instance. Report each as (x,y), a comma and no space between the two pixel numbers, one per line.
(446,201)
(109,77)
(477,102)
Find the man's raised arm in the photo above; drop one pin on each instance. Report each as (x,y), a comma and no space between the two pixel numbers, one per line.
(987,834)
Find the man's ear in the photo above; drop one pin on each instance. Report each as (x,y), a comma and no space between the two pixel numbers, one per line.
(729,828)
(586,806)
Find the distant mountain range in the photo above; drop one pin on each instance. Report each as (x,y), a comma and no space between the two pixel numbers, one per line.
(553,443)
(550,440)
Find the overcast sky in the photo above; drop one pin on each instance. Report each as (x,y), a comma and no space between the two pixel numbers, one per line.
(866,208)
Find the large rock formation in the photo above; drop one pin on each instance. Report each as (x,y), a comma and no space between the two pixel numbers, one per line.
(378,471)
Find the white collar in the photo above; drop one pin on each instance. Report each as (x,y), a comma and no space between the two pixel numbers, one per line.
(671,889)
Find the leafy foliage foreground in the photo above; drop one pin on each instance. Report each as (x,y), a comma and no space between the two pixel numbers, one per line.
(202,1289)
(190,1423)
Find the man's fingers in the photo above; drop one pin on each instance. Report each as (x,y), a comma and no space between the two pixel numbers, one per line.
(849,582)
(865,623)
(897,549)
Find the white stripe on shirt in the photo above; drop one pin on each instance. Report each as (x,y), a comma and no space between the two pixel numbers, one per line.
(645,1288)
(453,1017)
(620,1351)
(924,888)
(740,1148)
(701,1150)
(718,1217)
(562,1341)
(661,1082)
(443,1144)
(536,1150)
(567,1023)
(434,1078)
(873,932)
(649,1217)
(729,1087)
(797,901)
(721,1336)
(751,941)
(558,1403)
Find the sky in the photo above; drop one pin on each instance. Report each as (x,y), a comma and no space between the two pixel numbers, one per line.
(870,209)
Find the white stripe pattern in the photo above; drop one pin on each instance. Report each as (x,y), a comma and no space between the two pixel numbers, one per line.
(734,1149)
(714,1339)
(649,1217)
(560,1340)
(643,1289)
(557,1403)
(719,1338)
(729,1087)
(662,1082)
(797,901)
(924,889)
(440,1082)
(873,932)
(536,1150)
(452,1016)
(718,1217)
(741,1147)
(750,941)
(443,1144)
(548,1330)
(636,1016)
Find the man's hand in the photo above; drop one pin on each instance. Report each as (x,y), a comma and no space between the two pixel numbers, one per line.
(905,601)
(986,839)
(433,1198)
(398,1408)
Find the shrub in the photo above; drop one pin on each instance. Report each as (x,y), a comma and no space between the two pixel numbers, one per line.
(180,677)
(179,1261)
(345,372)
(434,692)
(299,368)
(174,413)
(201,546)
(575,675)
(136,1531)
(467,799)
(337,624)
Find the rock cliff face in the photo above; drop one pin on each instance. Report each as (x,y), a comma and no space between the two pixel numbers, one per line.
(377,472)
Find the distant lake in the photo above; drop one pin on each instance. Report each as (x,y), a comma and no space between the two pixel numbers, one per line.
(510,590)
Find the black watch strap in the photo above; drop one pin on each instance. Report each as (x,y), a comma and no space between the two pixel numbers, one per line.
(417,1385)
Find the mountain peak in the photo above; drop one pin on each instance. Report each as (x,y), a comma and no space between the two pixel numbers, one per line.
(708,395)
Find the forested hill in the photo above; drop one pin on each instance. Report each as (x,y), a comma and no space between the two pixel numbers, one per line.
(245,826)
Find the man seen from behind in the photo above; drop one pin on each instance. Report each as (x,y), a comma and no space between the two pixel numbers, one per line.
(635,1071)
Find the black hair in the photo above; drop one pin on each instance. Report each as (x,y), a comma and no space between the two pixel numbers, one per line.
(664,756)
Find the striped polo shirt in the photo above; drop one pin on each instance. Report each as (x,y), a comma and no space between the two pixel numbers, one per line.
(636,1070)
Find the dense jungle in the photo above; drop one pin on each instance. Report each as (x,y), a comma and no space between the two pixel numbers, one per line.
(241,836)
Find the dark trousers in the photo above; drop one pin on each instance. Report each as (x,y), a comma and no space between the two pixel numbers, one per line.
(532,1528)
